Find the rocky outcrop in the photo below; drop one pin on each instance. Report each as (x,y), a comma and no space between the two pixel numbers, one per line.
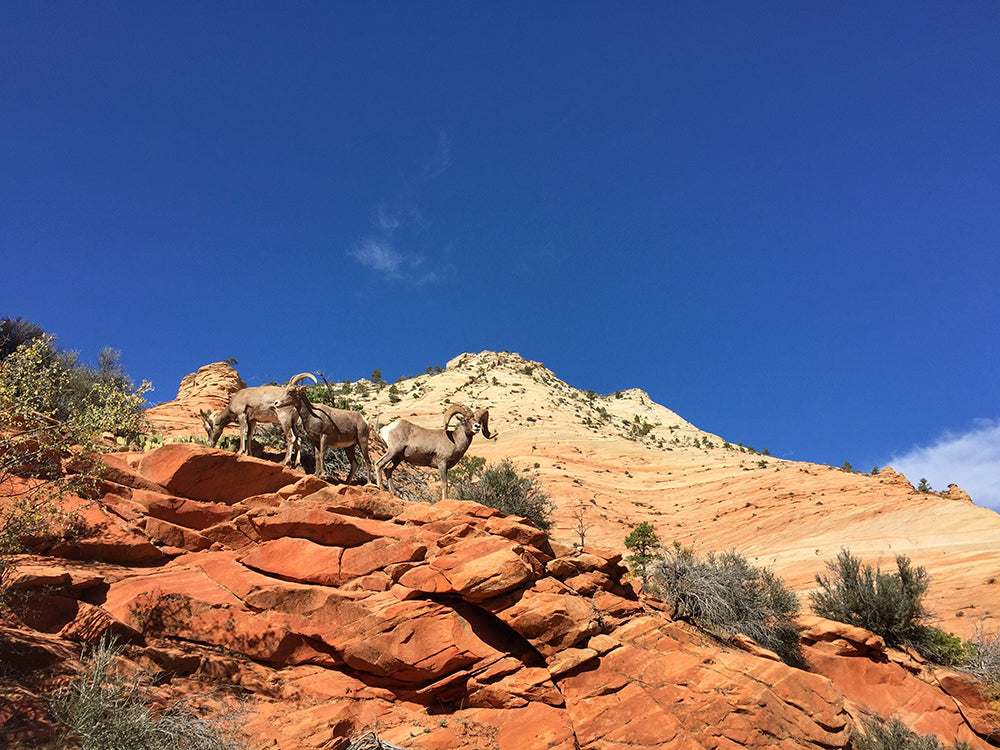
(209,388)
(335,609)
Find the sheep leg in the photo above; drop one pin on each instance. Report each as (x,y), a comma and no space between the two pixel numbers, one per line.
(443,471)
(246,432)
(353,458)
(286,420)
(383,471)
(320,456)
(367,459)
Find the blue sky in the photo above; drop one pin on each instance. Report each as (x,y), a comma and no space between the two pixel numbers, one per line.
(779,219)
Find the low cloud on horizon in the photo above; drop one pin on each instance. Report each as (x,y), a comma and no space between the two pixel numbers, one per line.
(970,459)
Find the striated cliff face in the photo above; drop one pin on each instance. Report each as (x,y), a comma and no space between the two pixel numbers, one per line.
(319,610)
(322,611)
(209,388)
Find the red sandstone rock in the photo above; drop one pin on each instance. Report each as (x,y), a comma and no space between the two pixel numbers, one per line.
(549,615)
(482,568)
(190,514)
(296,560)
(212,475)
(320,526)
(174,536)
(445,626)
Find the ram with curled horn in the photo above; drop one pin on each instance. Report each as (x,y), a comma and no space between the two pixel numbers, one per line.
(248,406)
(420,446)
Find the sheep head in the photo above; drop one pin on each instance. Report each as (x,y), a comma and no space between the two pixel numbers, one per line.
(213,429)
(293,395)
(458,410)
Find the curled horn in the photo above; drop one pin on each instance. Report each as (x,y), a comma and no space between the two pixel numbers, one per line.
(301,375)
(456,409)
(483,417)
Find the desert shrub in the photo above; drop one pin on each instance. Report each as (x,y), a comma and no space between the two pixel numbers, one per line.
(880,733)
(42,386)
(14,332)
(724,593)
(941,647)
(102,709)
(325,394)
(982,657)
(645,546)
(888,604)
(467,469)
(500,486)
(52,407)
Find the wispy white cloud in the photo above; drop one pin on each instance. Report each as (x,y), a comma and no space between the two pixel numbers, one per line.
(405,226)
(970,459)
(379,256)
(385,220)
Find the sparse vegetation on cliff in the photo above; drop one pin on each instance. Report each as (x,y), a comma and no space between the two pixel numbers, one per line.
(52,407)
(725,593)
(880,733)
(500,486)
(103,709)
(888,604)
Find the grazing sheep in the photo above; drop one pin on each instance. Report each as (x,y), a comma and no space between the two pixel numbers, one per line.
(419,446)
(328,427)
(250,406)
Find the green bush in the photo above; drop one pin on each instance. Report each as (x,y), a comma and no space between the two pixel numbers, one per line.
(500,486)
(51,408)
(726,594)
(941,647)
(467,469)
(14,332)
(645,546)
(101,709)
(888,604)
(880,733)
(325,394)
(41,386)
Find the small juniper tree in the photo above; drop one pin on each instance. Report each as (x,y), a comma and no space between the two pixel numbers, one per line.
(645,546)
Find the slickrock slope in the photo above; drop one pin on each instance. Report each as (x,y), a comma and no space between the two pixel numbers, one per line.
(621,459)
(321,611)
(790,516)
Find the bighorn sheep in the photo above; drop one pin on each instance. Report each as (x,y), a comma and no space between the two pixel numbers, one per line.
(328,427)
(419,446)
(252,405)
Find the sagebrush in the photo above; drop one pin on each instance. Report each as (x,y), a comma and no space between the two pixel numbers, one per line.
(725,593)
(888,604)
(879,733)
(103,709)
